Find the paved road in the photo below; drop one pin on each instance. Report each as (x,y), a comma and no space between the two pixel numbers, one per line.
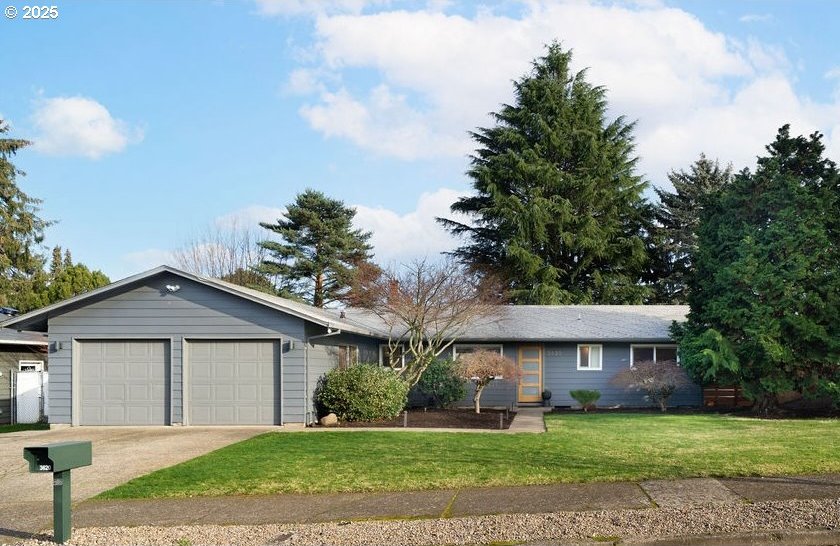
(119,454)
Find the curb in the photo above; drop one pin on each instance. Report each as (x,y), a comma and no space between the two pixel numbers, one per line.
(821,537)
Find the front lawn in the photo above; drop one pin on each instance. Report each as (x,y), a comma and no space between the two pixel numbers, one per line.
(18,428)
(576,448)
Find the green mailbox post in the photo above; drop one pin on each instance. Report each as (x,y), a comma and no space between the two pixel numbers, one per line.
(59,458)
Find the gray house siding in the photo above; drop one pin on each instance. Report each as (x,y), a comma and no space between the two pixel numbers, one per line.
(148,311)
(560,375)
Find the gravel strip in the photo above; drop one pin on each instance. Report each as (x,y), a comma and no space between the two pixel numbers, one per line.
(627,524)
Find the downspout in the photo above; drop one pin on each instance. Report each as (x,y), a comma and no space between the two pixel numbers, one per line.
(307,403)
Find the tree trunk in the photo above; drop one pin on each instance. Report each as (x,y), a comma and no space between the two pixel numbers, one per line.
(318,292)
(477,397)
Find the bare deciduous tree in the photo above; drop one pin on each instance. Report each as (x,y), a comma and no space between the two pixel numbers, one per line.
(426,306)
(482,367)
(658,380)
(227,253)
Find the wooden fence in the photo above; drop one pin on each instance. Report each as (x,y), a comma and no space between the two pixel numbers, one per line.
(724,396)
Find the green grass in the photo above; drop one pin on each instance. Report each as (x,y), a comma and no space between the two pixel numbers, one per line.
(18,428)
(576,448)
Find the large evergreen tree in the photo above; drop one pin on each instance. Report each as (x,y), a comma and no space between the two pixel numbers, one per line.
(22,276)
(558,215)
(677,221)
(765,295)
(318,253)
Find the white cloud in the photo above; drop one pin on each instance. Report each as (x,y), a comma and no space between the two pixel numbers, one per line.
(80,126)
(399,238)
(310,7)
(437,75)
(142,260)
(249,217)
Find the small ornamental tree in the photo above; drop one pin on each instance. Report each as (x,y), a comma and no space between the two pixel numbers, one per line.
(482,367)
(659,380)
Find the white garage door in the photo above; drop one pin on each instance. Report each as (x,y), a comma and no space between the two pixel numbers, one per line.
(234,382)
(124,382)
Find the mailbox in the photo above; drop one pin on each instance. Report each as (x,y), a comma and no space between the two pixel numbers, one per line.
(58,457)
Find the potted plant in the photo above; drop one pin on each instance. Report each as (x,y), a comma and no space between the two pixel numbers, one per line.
(546,398)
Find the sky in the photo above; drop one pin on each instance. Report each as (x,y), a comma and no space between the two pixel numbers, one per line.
(154,122)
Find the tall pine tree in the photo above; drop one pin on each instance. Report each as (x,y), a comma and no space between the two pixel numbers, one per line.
(558,214)
(22,276)
(765,296)
(318,253)
(677,221)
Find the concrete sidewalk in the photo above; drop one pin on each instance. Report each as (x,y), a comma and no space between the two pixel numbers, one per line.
(255,510)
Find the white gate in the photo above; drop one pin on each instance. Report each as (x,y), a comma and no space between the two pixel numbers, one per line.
(31,402)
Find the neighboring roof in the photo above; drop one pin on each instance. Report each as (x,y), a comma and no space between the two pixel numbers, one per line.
(307,312)
(13,337)
(644,323)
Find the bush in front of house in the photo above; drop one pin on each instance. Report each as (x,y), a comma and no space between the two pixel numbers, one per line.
(658,380)
(363,392)
(586,398)
(441,384)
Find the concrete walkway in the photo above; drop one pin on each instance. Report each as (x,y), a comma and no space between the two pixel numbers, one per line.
(529,420)
(255,510)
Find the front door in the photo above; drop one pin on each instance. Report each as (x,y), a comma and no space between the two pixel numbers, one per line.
(530,382)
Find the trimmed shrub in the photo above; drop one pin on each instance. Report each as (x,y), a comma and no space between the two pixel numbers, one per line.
(363,392)
(586,398)
(441,384)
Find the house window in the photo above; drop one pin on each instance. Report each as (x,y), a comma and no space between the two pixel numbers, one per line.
(655,353)
(392,356)
(589,357)
(467,349)
(347,356)
(31,365)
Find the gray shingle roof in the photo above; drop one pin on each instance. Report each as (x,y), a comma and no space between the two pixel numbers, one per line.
(9,336)
(562,323)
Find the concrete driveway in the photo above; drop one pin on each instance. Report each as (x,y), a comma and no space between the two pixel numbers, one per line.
(119,454)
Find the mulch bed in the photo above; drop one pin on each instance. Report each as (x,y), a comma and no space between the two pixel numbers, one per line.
(448,418)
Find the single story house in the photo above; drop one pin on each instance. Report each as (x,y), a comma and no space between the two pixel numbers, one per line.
(19,352)
(168,347)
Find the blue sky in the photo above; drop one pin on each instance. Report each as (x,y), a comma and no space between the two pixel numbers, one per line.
(156,121)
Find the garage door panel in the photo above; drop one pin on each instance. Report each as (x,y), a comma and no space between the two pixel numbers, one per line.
(233,382)
(113,393)
(124,382)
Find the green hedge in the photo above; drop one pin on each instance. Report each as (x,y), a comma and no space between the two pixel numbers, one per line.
(441,384)
(363,392)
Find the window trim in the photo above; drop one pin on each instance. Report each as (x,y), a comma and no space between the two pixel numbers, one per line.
(352,350)
(591,368)
(39,365)
(484,345)
(382,347)
(653,346)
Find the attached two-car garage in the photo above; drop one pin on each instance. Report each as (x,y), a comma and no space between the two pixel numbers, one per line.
(225,382)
